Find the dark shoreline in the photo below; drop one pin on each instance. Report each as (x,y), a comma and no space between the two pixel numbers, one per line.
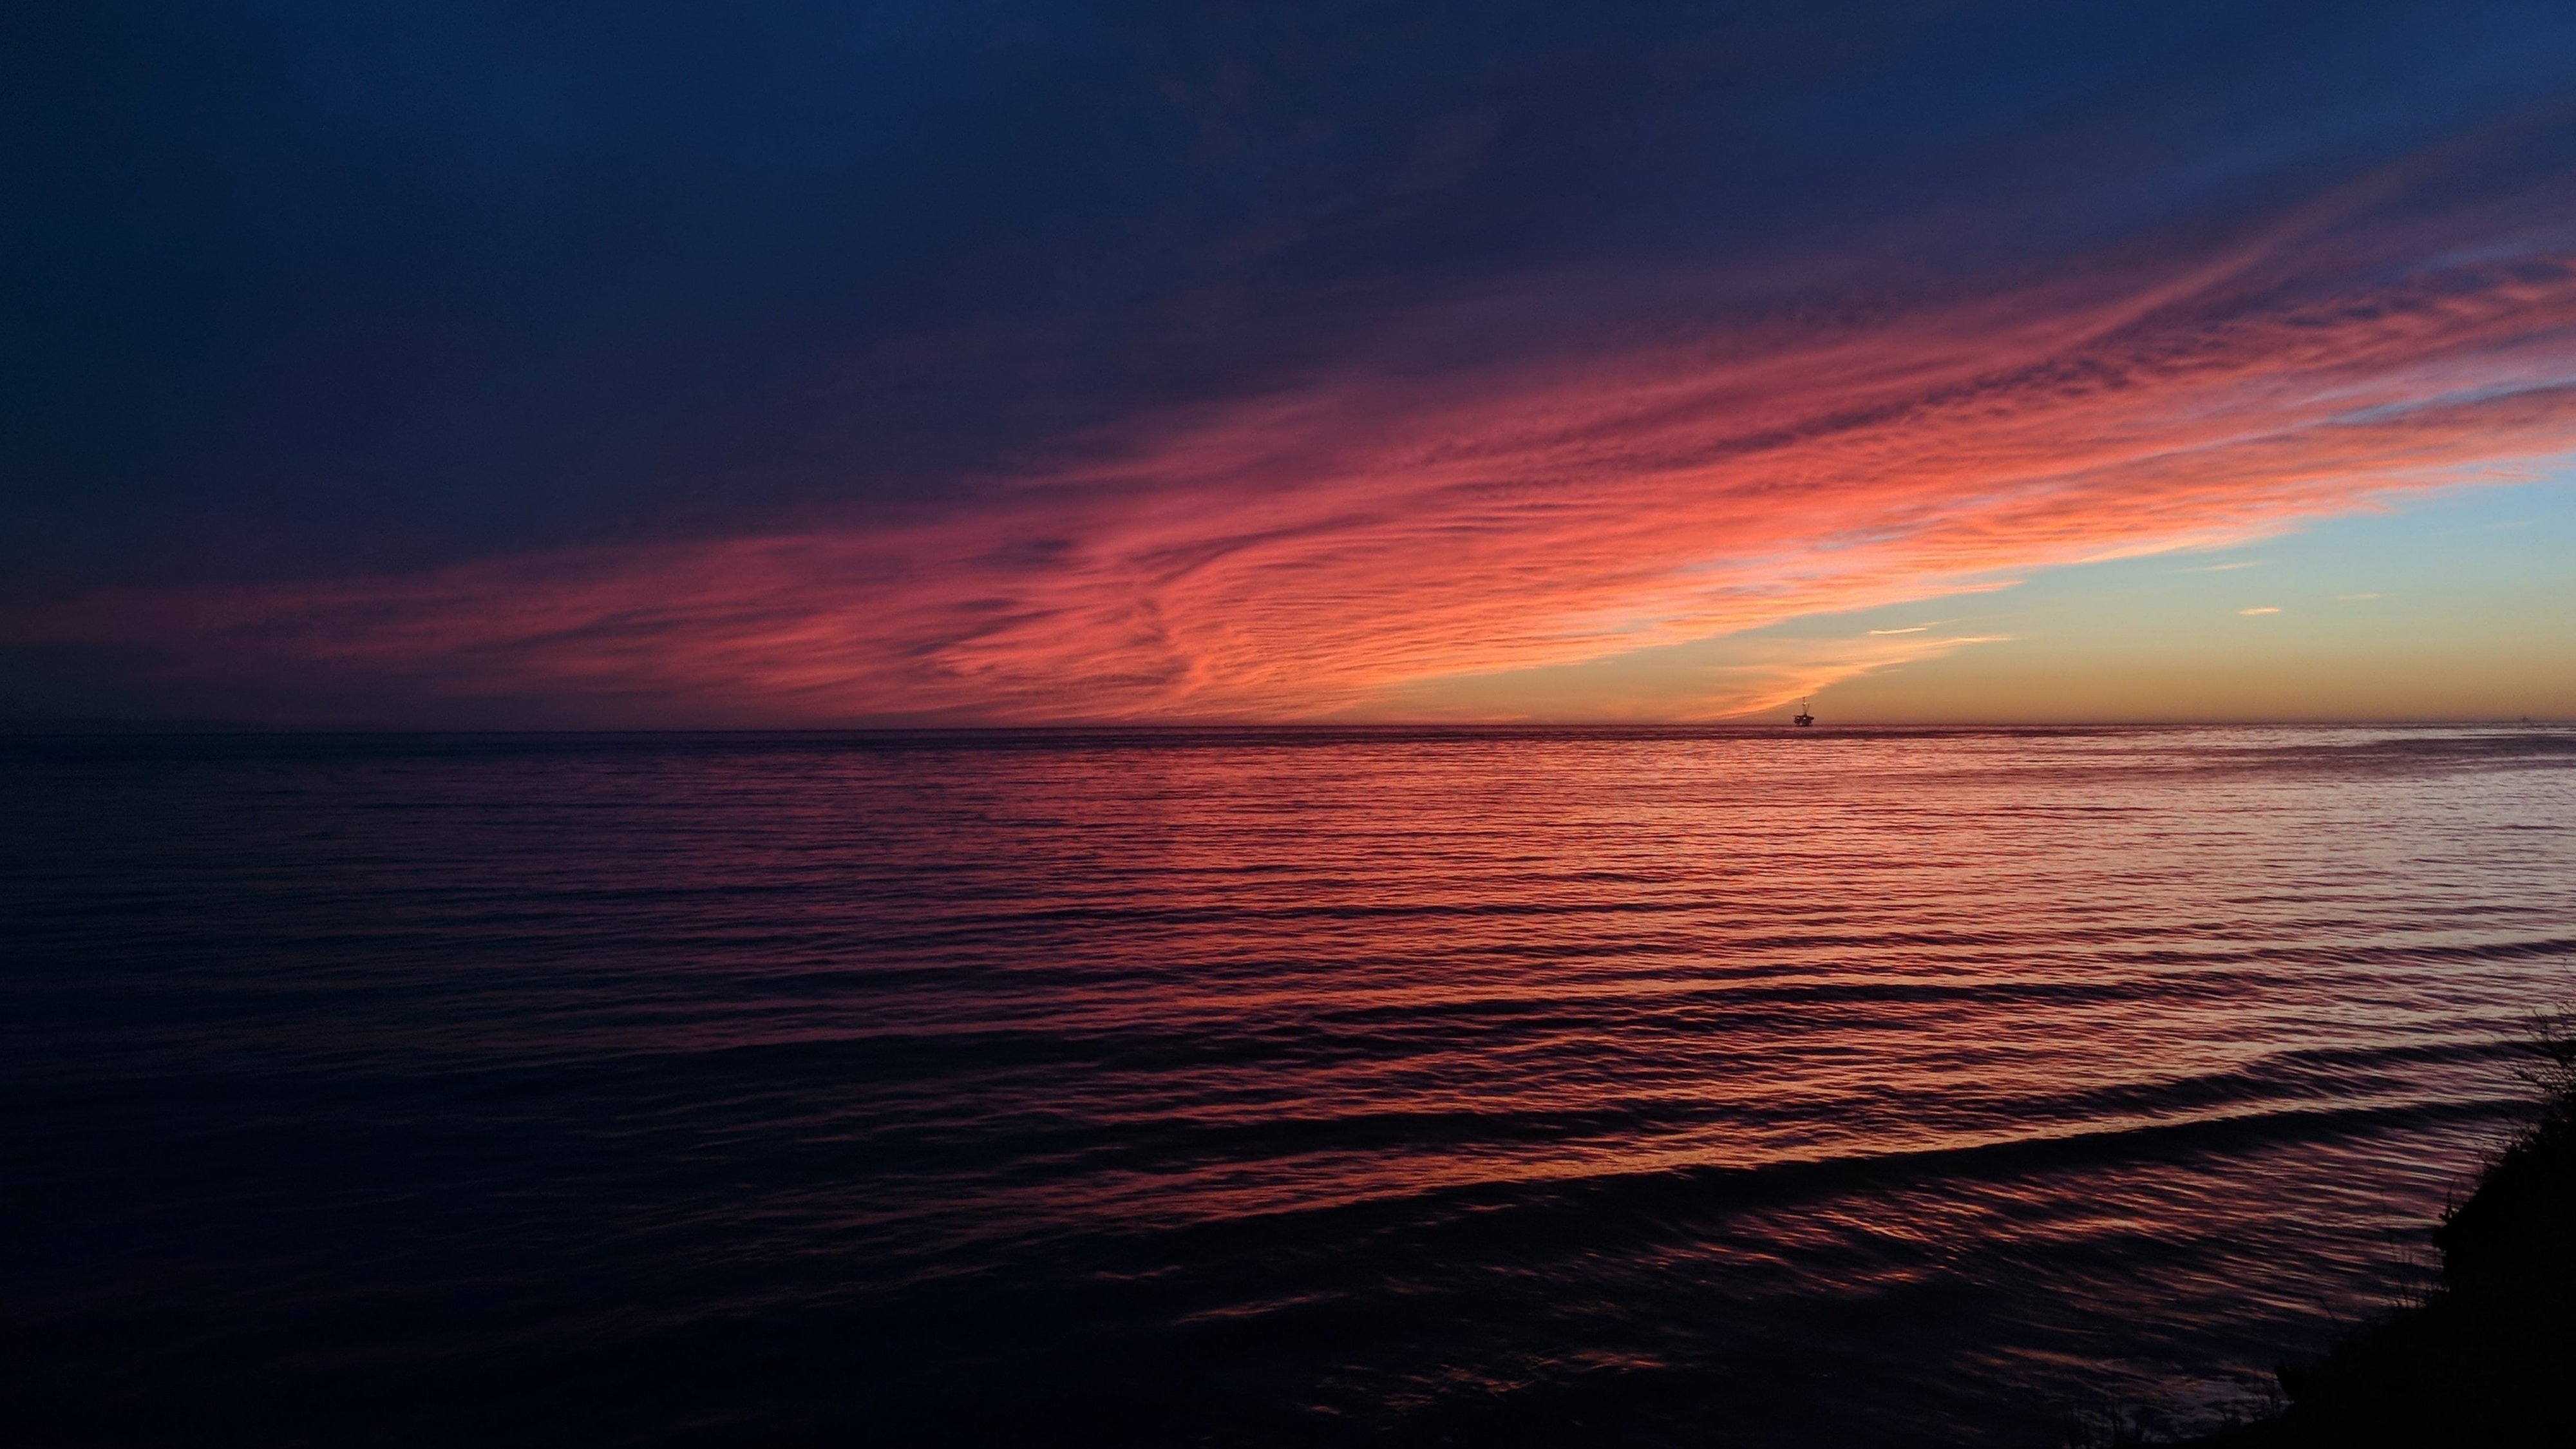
(2488,1356)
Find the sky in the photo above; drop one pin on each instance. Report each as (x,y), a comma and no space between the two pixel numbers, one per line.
(768,364)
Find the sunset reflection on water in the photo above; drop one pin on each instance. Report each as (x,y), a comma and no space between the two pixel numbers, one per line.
(1888,1087)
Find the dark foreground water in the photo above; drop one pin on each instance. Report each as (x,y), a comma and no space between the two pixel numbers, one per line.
(1307,1088)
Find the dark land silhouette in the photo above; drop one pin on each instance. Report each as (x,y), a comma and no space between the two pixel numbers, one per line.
(2488,1357)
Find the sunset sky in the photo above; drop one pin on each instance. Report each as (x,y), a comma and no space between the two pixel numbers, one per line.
(800,364)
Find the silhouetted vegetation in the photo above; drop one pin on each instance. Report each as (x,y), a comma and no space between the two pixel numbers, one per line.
(2488,1358)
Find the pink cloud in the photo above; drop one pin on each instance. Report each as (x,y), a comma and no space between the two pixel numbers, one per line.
(1348,545)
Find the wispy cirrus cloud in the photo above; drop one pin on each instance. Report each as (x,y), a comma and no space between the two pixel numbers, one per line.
(1351,542)
(1723,678)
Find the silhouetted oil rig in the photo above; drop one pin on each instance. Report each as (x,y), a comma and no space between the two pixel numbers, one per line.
(1802,719)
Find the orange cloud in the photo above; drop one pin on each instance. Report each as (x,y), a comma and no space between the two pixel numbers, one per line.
(1366,540)
(1710,680)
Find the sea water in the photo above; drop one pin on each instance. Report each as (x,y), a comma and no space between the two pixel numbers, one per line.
(1657,1086)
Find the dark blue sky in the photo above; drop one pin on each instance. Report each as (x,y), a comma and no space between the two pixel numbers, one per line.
(304,290)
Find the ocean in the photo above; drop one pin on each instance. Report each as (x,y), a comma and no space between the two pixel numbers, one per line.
(1264,1087)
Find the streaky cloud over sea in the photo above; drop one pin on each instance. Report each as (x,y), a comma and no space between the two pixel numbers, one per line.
(1302,1086)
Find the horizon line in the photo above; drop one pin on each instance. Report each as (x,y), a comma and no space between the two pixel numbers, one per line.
(109,726)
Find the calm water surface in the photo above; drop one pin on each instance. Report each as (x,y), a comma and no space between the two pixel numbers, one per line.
(1656,1087)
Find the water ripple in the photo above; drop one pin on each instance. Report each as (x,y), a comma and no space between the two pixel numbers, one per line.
(1255,1086)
